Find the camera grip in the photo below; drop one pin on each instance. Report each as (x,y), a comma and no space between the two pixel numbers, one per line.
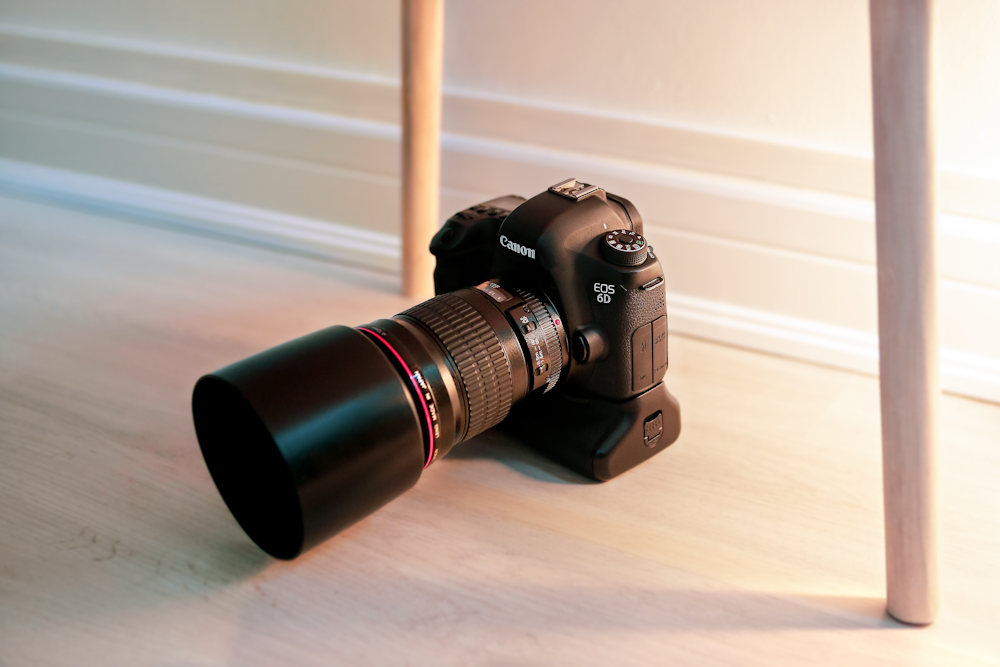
(621,317)
(595,437)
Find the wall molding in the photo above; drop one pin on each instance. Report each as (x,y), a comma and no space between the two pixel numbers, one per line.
(169,51)
(841,347)
(335,92)
(129,90)
(963,236)
(321,238)
(973,375)
(776,258)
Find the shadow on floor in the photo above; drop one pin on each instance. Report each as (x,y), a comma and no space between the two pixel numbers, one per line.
(497,445)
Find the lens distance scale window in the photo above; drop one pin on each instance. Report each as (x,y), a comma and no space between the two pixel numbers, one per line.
(540,330)
(544,337)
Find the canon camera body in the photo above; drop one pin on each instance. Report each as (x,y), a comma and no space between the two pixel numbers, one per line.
(581,248)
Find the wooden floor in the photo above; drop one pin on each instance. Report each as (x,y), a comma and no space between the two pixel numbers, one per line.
(755,540)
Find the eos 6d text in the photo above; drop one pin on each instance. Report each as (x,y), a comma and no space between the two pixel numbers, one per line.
(604,292)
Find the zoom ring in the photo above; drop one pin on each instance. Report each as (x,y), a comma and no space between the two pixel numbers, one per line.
(549,334)
(483,367)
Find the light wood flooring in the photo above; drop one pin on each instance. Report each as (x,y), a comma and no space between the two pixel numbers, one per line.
(755,540)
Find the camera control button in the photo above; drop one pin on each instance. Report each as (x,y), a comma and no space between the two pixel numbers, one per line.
(642,357)
(589,344)
(655,282)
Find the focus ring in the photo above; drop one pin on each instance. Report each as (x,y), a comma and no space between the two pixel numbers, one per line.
(483,366)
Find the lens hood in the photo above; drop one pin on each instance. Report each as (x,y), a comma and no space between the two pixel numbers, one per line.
(308,437)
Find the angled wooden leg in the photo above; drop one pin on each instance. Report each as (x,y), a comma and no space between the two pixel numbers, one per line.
(423,31)
(907,301)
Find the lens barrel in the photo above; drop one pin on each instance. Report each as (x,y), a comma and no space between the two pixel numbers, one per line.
(309,437)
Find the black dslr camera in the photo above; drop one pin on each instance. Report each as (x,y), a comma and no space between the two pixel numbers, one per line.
(550,319)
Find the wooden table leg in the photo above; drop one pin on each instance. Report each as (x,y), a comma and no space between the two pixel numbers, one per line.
(907,301)
(423,32)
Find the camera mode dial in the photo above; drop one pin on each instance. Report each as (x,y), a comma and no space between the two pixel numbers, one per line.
(624,247)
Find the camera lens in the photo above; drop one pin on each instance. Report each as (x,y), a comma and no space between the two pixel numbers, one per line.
(311,436)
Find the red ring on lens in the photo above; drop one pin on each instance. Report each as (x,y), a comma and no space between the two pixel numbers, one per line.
(416,387)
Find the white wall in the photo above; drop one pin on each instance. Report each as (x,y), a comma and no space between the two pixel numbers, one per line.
(740,129)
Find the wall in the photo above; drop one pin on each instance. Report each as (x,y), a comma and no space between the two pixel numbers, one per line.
(741,130)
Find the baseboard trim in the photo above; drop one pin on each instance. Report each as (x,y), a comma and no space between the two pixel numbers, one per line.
(964,374)
(364,248)
(204,102)
(973,375)
(796,218)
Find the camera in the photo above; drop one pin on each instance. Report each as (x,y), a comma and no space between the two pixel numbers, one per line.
(549,321)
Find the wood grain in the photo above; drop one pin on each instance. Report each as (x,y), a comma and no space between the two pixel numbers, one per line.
(903,96)
(423,40)
(755,540)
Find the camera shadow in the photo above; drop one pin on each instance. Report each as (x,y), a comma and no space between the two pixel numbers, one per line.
(496,445)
